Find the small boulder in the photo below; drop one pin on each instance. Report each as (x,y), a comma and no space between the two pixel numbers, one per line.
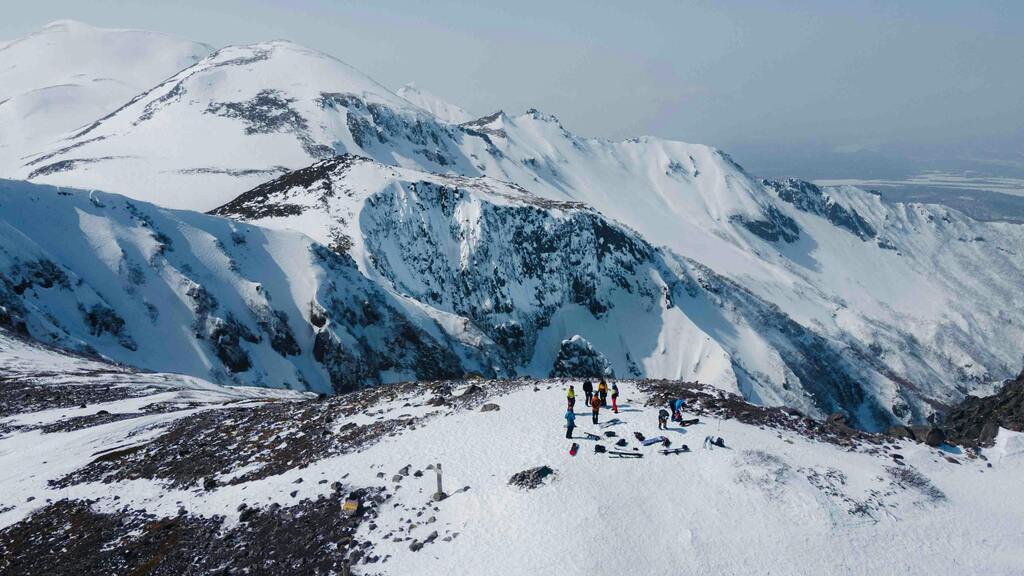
(929,435)
(532,478)
(490,408)
(900,431)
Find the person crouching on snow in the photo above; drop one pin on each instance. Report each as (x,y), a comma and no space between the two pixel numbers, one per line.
(662,419)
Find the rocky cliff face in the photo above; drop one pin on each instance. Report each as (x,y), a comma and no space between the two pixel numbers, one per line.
(543,287)
(810,198)
(976,421)
(578,359)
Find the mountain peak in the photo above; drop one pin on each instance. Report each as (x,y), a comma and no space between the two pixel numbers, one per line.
(536,114)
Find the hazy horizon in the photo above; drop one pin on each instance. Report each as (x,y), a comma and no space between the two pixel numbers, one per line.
(820,89)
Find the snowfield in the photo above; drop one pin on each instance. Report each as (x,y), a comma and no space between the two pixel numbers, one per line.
(68,74)
(787,496)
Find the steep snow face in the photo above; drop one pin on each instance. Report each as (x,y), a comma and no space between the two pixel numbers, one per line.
(516,275)
(68,74)
(184,292)
(930,293)
(444,111)
(524,271)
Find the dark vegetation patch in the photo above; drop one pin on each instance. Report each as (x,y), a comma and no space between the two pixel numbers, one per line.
(65,165)
(907,477)
(275,436)
(23,396)
(268,200)
(707,401)
(237,172)
(311,537)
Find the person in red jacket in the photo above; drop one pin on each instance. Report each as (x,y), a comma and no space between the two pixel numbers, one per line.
(595,406)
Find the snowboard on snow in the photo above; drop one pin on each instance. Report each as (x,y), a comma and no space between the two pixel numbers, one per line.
(611,422)
(681,450)
(685,423)
(620,454)
(590,436)
(573,449)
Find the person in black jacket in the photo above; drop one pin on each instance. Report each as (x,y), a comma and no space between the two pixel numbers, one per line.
(588,390)
(662,419)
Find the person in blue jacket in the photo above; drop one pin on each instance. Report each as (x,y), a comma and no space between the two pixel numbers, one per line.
(570,423)
(677,409)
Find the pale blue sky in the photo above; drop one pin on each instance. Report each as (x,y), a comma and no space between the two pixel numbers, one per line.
(925,77)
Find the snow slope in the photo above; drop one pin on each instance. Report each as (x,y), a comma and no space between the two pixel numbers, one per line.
(231,121)
(786,497)
(68,74)
(445,111)
(205,296)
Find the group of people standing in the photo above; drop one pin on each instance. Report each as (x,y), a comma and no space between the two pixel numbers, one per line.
(596,401)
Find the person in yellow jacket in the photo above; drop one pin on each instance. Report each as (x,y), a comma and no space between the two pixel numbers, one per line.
(602,391)
(571,397)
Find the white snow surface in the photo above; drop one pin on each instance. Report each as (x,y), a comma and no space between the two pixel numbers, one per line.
(773,502)
(445,111)
(68,74)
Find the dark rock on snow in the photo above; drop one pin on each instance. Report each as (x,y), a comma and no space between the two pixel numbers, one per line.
(532,478)
(976,421)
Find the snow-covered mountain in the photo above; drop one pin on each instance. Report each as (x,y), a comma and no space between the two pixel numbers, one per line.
(184,292)
(237,118)
(531,273)
(116,472)
(443,110)
(68,74)
(900,294)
